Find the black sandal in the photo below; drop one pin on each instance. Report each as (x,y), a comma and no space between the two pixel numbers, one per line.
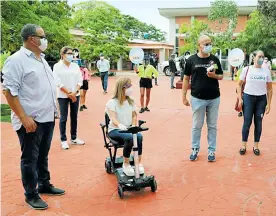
(243,150)
(256,151)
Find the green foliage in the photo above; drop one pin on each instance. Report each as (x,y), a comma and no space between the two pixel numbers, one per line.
(268,9)
(5,113)
(191,33)
(52,16)
(259,34)
(101,22)
(3,58)
(224,13)
(139,29)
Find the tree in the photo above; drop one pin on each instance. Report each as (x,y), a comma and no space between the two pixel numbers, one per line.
(191,34)
(105,34)
(258,34)
(138,29)
(225,15)
(52,16)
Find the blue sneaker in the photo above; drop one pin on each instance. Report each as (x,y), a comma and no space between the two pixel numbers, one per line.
(194,154)
(211,157)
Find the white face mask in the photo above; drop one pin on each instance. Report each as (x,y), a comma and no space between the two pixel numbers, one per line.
(76,54)
(102,58)
(43,44)
(129,92)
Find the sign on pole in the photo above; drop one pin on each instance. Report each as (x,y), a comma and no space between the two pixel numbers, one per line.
(236,57)
(136,55)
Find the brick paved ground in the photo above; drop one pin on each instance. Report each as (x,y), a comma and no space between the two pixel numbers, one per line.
(234,185)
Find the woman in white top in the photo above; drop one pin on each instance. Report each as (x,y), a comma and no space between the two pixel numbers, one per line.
(122,113)
(68,78)
(256,99)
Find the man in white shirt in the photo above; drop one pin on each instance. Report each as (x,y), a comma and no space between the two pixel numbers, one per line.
(103,67)
(31,93)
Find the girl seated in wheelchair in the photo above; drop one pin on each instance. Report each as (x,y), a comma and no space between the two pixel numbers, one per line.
(121,110)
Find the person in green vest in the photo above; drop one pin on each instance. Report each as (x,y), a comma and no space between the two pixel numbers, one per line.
(146,72)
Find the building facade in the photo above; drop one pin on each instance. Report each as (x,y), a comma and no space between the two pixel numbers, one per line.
(179,16)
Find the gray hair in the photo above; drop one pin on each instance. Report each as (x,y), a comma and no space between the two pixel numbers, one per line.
(28,30)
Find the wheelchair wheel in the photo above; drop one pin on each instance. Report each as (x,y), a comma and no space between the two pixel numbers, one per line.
(120,191)
(108,167)
(153,185)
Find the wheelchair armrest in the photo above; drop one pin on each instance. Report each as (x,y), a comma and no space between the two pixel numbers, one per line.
(103,126)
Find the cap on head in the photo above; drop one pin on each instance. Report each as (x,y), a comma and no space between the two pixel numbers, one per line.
(101,55)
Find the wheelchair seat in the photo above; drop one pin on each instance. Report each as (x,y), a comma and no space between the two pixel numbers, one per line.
(116,143)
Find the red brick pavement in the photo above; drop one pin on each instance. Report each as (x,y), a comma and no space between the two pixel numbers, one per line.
(234,185)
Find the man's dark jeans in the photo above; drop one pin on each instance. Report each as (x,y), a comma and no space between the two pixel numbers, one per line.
(74,107)
(253,106)
(34,158)
(104,78)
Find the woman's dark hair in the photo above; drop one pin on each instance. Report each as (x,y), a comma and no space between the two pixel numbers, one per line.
(64,50)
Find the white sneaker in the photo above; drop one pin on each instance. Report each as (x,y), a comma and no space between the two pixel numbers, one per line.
(77,142)
(64,145)
(128,170)
(141,169)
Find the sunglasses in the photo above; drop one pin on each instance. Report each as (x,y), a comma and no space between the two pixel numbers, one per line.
(41,37)
(127,85)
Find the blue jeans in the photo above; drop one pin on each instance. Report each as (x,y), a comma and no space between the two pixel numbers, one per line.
(34,158)
(199,108)
(253,106)
(104,78)
(74,107)
(172,79)
(127,139)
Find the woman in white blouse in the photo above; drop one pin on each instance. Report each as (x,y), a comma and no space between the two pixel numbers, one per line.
(121,110)
(256,99)
(68,78)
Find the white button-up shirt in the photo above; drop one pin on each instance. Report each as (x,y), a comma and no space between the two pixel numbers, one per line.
(67,77)
(103,65)
(32,81)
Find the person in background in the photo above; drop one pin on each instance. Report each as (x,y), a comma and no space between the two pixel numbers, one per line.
(103,67)
(246,58)
(30,91)
(267,65)
(84,87)
(256,99)
(146,72)
(205,71)
(173,69)
(154,62)
(68,79)
(237,75)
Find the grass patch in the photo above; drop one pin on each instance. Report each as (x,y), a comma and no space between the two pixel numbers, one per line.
(5,113)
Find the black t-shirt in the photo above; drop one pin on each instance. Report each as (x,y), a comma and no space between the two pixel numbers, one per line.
(202,86)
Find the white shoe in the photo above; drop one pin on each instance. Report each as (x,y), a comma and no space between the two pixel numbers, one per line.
(77,142)
(128,170)
(141,169)
(64,145)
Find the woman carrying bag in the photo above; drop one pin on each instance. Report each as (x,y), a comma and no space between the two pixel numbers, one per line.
(255,99)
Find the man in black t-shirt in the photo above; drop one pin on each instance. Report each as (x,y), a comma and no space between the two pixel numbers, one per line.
(205,71)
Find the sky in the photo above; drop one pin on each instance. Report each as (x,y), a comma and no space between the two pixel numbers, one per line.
(147,10)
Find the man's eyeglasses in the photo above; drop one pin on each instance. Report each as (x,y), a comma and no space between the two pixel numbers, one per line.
(207,44)
(69,53)
(41,37)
